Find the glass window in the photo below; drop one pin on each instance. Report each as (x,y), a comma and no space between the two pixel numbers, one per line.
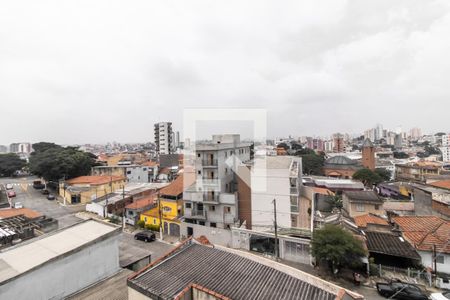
(440,259)
(212,208)
(213,224)
(360,207)
(188,205)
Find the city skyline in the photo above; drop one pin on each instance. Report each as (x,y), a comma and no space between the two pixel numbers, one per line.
(341,66)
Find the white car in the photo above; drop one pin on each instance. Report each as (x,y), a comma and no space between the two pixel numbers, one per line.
(440,296)
(9,186)
(18,205)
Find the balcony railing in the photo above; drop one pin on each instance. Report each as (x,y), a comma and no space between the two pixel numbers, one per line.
(209,163)
(197,213)
(211,198)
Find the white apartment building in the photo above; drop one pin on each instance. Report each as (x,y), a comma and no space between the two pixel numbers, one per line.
(445,149)
(279,178)
(212,201)
(164,138)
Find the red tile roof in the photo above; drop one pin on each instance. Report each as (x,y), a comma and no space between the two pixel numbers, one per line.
(442,184)
(425,231)
(13,212)
(144,202)
(94,180)
(362,221)
(150,164)
(179,185)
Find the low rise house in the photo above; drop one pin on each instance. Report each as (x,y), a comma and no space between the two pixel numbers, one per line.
(196,271)
(399,208)
(357,203)
(60,264)
(372,222)
(430,235)
(431,200)
(390,249)
(418,171)
(170,205)
(133,210)
(132,173)
(115,203)
(85,189)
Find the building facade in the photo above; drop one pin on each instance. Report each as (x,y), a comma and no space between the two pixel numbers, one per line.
(213,201)
(164,138)
(445,149)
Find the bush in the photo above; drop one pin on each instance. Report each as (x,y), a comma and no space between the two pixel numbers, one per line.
(140,224)
(114,220)
(152,227)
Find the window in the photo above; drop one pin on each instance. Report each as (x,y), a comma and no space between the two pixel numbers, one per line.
(226,170)
(154,221)
(167,209)
(128,172)
(440,259)
(359,207)
(144,169)
(200,206)
(199,172)
(377,207)
(227,209)
(213,225)
(188,205)
(198,155)
(201,223)
(212,208)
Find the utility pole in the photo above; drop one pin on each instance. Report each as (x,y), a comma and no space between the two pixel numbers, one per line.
(160,218)
(435,263)
(123,209)
(275,225)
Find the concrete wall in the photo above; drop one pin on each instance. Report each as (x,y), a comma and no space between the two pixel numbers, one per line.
(214,235)
(65,276)
(277,187)
(135,295)
(422,203)
(427,262)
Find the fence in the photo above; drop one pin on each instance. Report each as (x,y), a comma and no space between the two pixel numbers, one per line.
(409,273)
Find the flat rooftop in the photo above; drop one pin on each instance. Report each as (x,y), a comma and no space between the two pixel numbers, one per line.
(27,256)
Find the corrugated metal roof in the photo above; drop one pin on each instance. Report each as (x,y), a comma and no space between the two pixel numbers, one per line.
(226,273)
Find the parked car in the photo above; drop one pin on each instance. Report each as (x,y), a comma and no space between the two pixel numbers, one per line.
(9,186)
(38,185)
(51,197)
(401,290)
(11,194)
(441,296)
(145,235)
(18,205)
(45,192)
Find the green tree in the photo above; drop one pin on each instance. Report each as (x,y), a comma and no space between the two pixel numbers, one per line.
(368,177)
(384,174)
(55,162)
(337,247)
(312,164)
(10,163)
(335,201)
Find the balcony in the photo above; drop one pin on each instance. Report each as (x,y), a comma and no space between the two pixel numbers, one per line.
(294,191)
(197,214)
(211,198)
(210,163)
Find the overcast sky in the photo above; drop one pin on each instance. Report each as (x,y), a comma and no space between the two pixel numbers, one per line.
(97,71)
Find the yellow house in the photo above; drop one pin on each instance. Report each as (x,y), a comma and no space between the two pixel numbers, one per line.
(84,189)
(170,206)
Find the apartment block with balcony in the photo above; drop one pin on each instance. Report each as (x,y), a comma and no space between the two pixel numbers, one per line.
(164,138)
(212,201)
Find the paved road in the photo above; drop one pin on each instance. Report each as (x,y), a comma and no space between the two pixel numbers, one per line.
(33,199)
(156,248)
